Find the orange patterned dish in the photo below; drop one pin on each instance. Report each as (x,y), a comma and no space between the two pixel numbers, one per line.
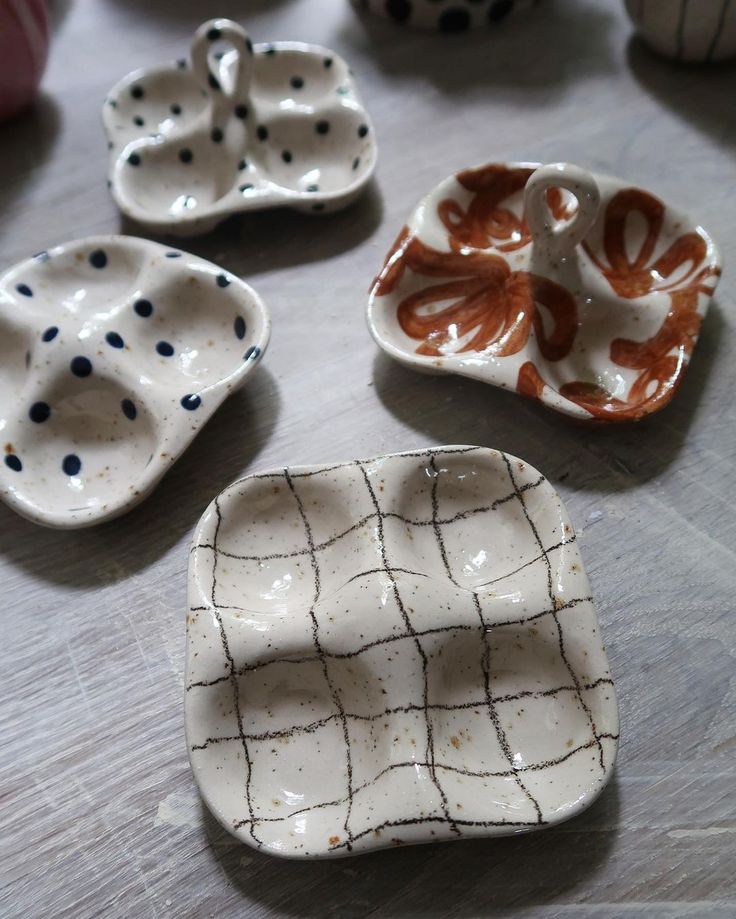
(572,288)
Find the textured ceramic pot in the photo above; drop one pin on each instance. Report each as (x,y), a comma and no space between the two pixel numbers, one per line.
(24,47)
(396,650)
(576,289)
(114,352)
(445,15)
(687,30)
(242,129)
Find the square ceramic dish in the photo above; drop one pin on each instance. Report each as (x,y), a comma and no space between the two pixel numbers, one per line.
(114,351)
(396,650)
(572,288)
(242,129)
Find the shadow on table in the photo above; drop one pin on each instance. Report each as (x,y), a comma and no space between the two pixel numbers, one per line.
(453,410)
(541,49)
(112,551)
(28,141)
(272,240)
(468,878)
(702,94)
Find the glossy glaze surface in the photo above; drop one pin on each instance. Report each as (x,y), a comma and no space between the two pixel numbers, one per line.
(397,650)
(238,128)
(115,351)
(569,287)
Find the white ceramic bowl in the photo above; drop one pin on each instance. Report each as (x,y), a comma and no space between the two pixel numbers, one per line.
(396,650)
(696,32)
(593,308)
(244,129)
(114,352)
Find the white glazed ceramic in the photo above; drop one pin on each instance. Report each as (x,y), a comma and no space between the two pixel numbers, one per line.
(593,307)
(687,30)
(397,650)
(445,15)
(249,128)
(114,352)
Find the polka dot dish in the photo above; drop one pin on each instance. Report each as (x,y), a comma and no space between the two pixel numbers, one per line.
(445,15)
(396,650)
(239,128)
(114,352)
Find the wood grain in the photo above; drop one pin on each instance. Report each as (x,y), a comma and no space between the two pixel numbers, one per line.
(97,804)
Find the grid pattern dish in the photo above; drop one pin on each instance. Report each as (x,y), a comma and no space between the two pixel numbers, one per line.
(396,650)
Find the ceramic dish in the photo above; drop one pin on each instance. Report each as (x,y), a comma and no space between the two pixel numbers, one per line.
(114,352)
(445,15)
(694,32)
(248,128)
(396,650)
(593,307)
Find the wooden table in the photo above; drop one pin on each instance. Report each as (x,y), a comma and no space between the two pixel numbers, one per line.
(97,803)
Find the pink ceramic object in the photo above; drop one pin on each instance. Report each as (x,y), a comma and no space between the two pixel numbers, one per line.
(24,47)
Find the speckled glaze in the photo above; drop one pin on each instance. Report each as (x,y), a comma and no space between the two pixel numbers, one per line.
(114,351)
(396,650)
(243,129)
(685,30)
(569,287)
(445,15)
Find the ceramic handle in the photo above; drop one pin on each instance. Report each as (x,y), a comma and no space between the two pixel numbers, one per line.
(560,236)
(208,34)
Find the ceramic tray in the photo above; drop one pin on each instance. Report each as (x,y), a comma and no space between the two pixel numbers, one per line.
(398,650)
(593,307)
(248,128)
(114,352)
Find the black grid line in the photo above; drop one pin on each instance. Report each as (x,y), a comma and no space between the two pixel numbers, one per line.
(417,764)
(553,601)
(420,649)
(486,702)
(233,680)
(318,645)
(486,657)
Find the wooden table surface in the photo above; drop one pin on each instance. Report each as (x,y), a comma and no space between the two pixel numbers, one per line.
(98,808)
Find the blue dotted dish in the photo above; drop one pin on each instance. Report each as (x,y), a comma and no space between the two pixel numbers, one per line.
(114,351)
(247,128)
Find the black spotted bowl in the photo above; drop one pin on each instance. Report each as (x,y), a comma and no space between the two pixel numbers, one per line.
(241,129)
(114,351)
(445,15)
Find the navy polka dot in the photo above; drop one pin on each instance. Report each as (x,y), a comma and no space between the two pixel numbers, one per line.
(165,349)
(175,108)
(297,82)
(24,289)
(249,45)
(217,135)
(39,412)
(239,326)
(134,159)
(327,62)
(214,35)
(312,188)
(13,462)
(114,340)
(81,366)
(286,156)
(71,464)
(185,155)
(246,187)
(270,51)
(144,308)
(129,409)
(454,20)
(241,111)
(252,353)
(181,64)
(137,92)
(400,10)
(168,255)
(42,256)
(243,164)
(191,402)
(138,121)
(356,162)
(362,130)
(322,127)
(222,280)
(98,258)
(50,333)
(262,132)
(213,81)
(28,359)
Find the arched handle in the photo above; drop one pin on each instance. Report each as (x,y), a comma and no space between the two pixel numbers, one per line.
(209,77)
(558,236)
